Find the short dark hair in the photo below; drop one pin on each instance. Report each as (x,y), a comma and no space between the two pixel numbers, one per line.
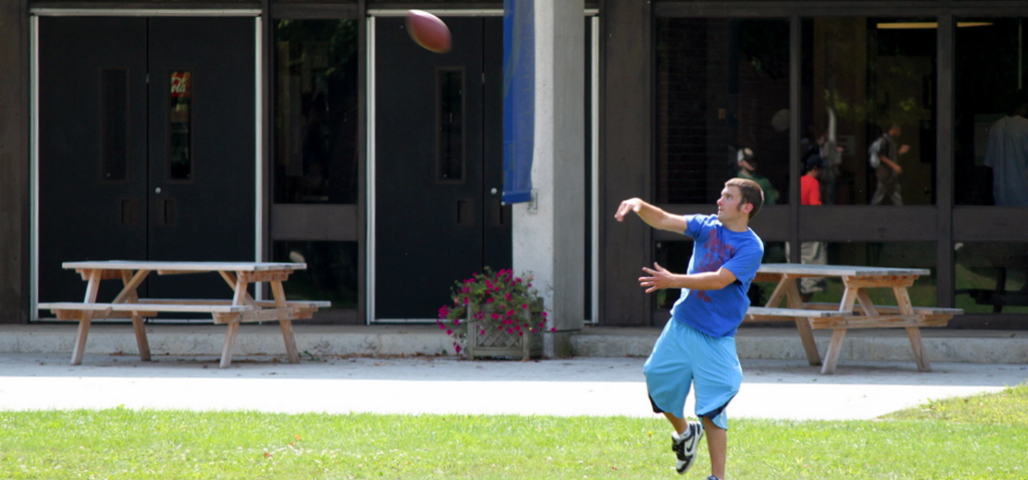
(751,193)
(812,162)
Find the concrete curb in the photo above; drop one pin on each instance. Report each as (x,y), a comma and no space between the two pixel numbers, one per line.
(770,343)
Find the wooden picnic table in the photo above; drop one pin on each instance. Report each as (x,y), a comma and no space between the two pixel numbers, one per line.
(845,315)
(240,308)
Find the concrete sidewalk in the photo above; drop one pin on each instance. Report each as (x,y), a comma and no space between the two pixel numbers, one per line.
(773,389)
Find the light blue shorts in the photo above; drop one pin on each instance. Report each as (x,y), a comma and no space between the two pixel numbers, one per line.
(684,356)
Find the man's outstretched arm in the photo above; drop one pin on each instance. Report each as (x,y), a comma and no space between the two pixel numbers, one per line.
(653,216)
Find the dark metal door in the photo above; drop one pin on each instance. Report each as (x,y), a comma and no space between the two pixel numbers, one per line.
(130,168)
(438,159)
(92,147)
(201,148)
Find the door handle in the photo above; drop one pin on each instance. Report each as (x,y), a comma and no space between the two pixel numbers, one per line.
(166,214)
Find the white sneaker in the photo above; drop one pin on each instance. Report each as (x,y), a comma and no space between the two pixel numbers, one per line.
(684,445)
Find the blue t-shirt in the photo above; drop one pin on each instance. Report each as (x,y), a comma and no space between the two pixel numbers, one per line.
(718,313)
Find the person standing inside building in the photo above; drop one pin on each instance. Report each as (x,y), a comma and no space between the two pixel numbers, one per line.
(884,155)
(747,165)
(697,346)
(1007,156)
(812,252)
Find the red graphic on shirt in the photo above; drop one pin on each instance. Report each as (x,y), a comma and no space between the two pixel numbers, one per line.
(717,253)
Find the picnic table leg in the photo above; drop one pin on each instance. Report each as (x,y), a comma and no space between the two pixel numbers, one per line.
(92,289)
(230,342)
(834,349)
(80,339)
(284,321)
(792,294)
(141,342)
(128,294)
(916,343)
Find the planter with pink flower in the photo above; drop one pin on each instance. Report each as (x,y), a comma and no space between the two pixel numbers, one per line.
(495,315)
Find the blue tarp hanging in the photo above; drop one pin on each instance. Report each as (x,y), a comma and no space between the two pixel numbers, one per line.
(518,99)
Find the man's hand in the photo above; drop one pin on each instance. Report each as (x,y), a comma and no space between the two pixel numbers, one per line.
(904,149)
(891,164)
(630,205)
(660,278)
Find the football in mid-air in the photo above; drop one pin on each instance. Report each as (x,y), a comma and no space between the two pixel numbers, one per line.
(428,31)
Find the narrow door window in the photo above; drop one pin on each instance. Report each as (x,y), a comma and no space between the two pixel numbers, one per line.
(114,149)
(180,160)
(450,126)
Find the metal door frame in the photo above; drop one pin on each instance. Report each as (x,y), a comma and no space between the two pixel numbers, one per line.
(35,13)
(370,92)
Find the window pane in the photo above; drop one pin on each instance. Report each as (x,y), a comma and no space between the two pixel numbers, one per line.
(316,111)
(991,137)
(722,86)
(180,159)
(865,79)
(990,277)
(331,272)
(115,124)
(895,254)
(450,125)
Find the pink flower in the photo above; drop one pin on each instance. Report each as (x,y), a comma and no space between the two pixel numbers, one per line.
(524,306)
(457,347)
(449,332)
(456,321)
(510,330)
(554,329)
(489,300)
(496,316)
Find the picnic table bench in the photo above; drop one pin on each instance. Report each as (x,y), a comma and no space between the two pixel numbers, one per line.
(855,309)
(241,308)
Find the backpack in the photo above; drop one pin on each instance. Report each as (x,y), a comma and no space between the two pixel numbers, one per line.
(872,152)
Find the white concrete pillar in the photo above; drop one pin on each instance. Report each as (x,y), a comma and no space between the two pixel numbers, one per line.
(549,233)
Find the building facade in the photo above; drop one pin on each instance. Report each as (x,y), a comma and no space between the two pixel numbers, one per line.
(309,131)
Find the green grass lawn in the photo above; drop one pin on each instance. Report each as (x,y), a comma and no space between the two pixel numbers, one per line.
(982,437)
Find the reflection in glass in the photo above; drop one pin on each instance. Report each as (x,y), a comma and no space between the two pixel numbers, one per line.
(868,86)
(180,164)
(331,272)
(991,132)
(722,87)
(450,125)
(878,254)
(991,277)
(316,111)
